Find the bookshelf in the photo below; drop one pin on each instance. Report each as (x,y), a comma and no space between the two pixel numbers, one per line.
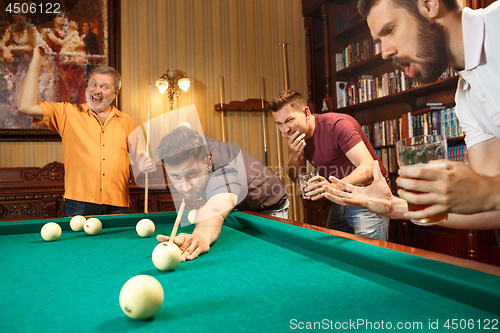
(333,27)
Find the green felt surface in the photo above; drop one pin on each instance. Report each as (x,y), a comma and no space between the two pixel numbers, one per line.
(260,276)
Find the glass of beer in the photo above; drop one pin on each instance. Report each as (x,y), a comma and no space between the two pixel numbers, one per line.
(303,178)
(423,151)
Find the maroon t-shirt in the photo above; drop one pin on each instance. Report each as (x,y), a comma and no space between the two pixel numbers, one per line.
(334,135)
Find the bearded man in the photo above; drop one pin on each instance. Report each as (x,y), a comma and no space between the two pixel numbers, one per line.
(423,37)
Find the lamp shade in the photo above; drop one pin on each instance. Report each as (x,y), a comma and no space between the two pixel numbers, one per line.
(162,84)
(184,83)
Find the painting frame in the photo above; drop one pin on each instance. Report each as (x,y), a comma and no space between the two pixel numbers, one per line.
(113,44)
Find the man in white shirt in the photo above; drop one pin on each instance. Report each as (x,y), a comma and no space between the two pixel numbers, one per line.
(423,37)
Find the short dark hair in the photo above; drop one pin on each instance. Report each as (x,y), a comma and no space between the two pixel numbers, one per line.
(180,145)
(287,97)
(117,78)
(365,6)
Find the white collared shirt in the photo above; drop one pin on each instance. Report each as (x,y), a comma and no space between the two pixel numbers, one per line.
(478,93)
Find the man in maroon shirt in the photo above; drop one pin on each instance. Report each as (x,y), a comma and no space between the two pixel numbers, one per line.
(335,144)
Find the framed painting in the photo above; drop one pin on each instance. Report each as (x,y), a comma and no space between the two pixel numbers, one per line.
(80,34)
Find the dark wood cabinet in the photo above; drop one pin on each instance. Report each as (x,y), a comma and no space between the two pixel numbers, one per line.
(37,193)
(479,245)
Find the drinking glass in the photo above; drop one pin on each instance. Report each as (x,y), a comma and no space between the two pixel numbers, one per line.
(423,151)
(303,178)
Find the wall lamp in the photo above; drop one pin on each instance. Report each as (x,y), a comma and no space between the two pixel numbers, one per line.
(169,82)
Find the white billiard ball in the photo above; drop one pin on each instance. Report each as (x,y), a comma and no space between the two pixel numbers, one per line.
(76,223)
(192,216)
(184,123)
(51,231)
(166,256)
(145,228)
(141,297)
(92,226)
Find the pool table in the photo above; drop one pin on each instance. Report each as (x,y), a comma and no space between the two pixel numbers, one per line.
(262,275)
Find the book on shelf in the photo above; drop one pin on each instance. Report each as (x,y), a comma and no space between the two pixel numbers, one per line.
(341,94)
(458,153)
(393,164)
(388,158)
(347,16)
(364,88)
(474,4)
(383,133)
(385,158)
(424,105)
(354,53)
(406,129)
(436,122)
(427,109)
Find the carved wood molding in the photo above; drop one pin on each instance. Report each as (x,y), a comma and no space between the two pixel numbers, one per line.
(3,211)
(52,171)
(49,209)
(19,210)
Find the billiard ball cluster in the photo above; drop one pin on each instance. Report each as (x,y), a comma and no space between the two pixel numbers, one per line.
(52,231)
(142,296)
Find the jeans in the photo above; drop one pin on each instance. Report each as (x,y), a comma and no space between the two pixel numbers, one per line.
(72,208)
(281,212)
(359,221)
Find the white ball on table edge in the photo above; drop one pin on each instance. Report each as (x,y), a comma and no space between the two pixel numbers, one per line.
(77,222)
(183,123)
(92,226)
(145,228)
(51,231)
(166,256)
(141,297)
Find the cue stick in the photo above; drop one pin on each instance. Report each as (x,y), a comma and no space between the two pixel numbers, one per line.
(287,86)
(222,112)
(285,65)
(147,151)
(278,136)
(263,117)
(177,220)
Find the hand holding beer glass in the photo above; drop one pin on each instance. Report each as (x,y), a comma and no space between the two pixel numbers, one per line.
(423,151)
(303,181)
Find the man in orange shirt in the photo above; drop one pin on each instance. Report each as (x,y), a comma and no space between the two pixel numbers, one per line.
(95,138)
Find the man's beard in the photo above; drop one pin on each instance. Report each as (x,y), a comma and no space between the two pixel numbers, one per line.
(105,102)
(432,46)
(192,195)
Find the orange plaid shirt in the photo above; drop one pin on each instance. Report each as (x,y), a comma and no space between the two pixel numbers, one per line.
(96,155)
